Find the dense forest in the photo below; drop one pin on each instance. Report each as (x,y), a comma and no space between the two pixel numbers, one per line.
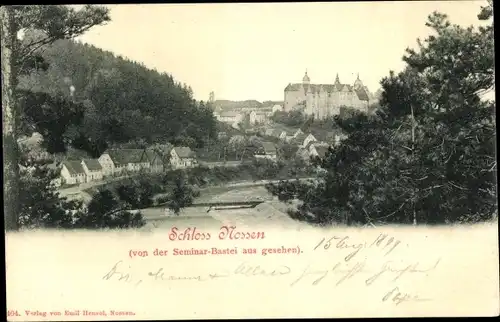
(93,99)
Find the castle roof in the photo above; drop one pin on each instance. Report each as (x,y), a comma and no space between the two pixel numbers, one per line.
(329,88)
(362,94)
(306,78)
(358,82)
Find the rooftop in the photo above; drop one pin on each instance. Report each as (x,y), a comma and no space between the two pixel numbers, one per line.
(125,156)
(74,167)
(184,152)
(269,147)
(92,164)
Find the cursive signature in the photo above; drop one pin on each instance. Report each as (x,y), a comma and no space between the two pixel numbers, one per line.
(397,297)
(390,268)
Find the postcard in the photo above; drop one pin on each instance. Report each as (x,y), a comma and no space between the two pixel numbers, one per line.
(250,160)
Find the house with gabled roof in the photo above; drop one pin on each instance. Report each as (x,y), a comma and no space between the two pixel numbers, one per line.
(259,117)
(286,135)
(117,161)
(319,151)
(182,157)
(308,139)
(298,132)
(72,172)
(267,150)
(93,169)
(230,117)
(156,161)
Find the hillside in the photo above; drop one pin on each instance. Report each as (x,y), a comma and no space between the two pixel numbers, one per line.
(121,100)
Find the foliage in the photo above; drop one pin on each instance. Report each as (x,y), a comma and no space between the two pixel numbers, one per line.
(182,194)
(79,96)
(428,153)
(22,189)
(51,116)
(106,211)
(287,151)
(292,118)
(124,101)
(41,205)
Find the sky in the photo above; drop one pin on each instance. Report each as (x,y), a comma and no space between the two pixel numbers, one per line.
(252,51)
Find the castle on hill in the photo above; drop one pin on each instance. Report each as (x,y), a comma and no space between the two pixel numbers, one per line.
(324,100)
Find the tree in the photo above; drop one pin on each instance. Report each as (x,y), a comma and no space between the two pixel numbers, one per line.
(428,154)
(41,205)
(55,22)
(287,151)
(292,118)
(9,113)
(237,144)
(182,194)
(106,211)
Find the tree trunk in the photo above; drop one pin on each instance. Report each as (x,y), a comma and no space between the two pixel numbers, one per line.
(10,115)
(413,157)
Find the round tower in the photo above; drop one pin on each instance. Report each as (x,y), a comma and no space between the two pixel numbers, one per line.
(358,83)
(306,79)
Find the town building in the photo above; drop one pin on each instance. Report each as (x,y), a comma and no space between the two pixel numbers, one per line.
(325,100)
(298,132)
(72,172)
(258,117)
(315,148)
(318,151)
(286,135)
(277,108)
(230,117)
(156,161)
(308,139)
(92,169)
(182,157)
(267,150)
(118,161)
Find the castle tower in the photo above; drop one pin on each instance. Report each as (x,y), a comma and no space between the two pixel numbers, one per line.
(358,83)
(306,79)
(211,98)
(337,84)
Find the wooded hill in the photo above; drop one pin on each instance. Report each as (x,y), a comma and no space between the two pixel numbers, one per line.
(98,99)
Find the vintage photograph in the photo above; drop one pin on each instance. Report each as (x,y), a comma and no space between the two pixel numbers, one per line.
(106,125)
(244,117)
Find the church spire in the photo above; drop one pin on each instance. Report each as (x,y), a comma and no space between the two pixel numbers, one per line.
(337,81)
(357,77)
